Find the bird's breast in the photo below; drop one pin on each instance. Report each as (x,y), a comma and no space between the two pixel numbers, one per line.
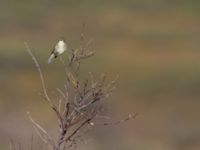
(61,47)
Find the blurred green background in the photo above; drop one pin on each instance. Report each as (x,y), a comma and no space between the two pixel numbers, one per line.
(154,46)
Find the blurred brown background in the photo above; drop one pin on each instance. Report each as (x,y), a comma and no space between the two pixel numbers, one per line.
(154,46)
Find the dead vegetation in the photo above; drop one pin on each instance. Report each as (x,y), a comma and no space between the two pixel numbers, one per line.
(80,102)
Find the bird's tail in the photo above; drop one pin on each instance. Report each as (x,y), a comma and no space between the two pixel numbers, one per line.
(51,58)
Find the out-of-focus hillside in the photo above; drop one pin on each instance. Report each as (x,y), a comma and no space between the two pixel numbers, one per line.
(154,46)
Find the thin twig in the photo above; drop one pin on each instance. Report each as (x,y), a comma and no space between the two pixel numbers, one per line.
(47,139)
(130,116)
(76,130)
(40,73)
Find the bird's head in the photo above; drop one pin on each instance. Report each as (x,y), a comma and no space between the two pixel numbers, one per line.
(61,39)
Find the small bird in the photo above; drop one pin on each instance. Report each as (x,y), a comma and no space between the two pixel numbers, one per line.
(59,48)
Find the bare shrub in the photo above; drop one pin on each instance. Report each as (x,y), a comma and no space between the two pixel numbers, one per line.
(80,103)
